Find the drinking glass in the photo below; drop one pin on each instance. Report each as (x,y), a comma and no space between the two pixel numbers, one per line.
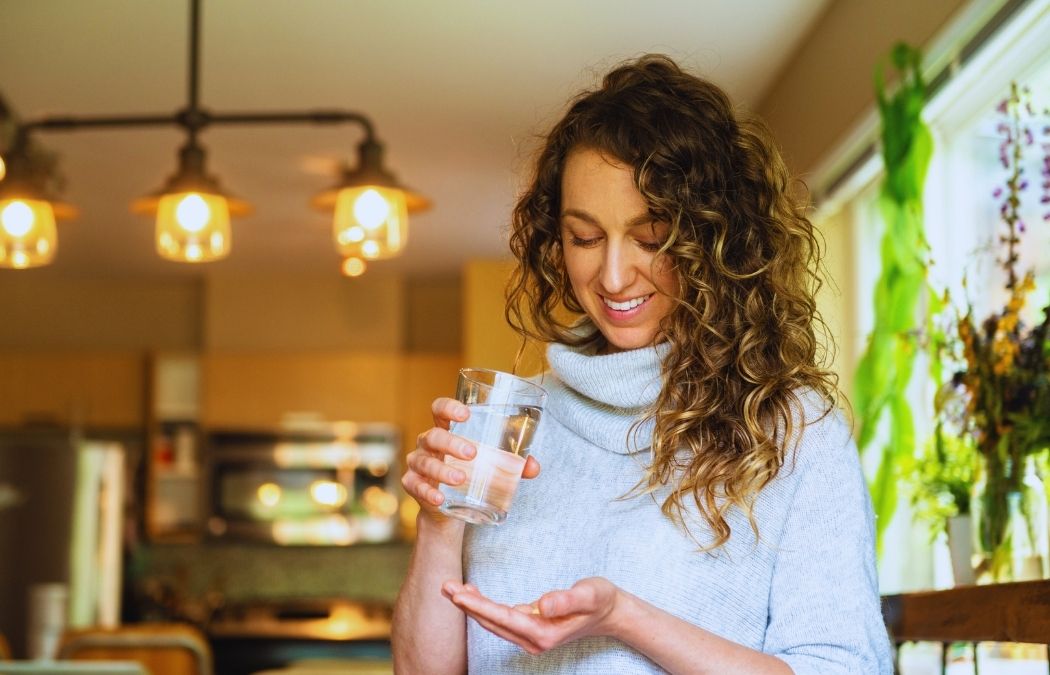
(504,413)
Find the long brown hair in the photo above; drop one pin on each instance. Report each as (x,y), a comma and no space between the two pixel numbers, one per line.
(743,334)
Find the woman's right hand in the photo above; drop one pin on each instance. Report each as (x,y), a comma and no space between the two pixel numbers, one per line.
(426,464)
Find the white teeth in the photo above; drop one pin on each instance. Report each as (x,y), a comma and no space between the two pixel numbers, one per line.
(624,306)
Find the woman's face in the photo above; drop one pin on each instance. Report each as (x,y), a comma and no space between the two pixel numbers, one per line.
(610,242)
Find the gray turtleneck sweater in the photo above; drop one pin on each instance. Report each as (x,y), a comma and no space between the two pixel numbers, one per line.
(805,590)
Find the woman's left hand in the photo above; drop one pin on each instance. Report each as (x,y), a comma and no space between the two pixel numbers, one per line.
(556,618)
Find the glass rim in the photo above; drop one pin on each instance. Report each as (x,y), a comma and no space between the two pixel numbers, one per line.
(523,387)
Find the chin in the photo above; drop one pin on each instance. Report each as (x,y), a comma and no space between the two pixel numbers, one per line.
(618,341)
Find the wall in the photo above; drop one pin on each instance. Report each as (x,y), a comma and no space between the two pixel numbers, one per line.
(278,313)
(488,341)
(39,310)
(826,87)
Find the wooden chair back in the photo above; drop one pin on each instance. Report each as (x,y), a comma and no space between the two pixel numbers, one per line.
(163,649)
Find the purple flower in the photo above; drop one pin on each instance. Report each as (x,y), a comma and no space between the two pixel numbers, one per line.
(1046,217)
(997,193)
(1002,105)
(1023,185)
(1045,199)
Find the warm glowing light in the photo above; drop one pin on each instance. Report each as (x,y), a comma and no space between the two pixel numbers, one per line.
(378,469)
(269,494)
(3,168)
(379,502)
(328,493)
(370,222)
(330,530)
(371,210)
(353,267)
(27,233)
(192,213)
(193,227)
(17,218)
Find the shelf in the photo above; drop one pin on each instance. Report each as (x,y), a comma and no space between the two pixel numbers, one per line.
(1011,612)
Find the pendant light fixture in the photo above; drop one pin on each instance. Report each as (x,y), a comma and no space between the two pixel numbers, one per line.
(370,207)
(192,212)
(28,237)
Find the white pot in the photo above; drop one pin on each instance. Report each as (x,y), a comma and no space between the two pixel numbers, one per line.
(960,544)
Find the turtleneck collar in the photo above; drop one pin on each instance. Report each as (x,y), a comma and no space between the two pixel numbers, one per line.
(600,396)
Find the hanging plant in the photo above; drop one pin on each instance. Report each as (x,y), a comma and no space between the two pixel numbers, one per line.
(885,369)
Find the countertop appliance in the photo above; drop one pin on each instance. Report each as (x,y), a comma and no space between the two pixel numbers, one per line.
(330,485)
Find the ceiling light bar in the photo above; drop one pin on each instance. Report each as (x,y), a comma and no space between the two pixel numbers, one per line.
(370,207)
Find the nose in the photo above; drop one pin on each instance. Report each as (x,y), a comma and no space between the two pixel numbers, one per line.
(617,268)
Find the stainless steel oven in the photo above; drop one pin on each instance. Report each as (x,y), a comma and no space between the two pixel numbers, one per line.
(330,486)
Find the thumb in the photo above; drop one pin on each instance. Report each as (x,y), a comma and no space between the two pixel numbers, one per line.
(556,604)
(532,468)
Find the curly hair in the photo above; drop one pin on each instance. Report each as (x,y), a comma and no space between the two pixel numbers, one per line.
(743,341)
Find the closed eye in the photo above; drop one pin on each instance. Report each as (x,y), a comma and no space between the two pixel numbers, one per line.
(650,246)
(584,243)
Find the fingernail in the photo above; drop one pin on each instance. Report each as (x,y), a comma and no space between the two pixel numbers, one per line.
(458,476)
(468,449)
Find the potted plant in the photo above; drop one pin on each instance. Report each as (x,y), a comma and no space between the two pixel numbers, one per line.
(1005,374)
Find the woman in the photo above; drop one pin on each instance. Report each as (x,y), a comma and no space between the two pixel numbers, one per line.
(702,508)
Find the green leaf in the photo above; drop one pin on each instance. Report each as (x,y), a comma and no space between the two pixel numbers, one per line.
(884,496)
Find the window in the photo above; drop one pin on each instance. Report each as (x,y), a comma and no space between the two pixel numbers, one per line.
(962,225)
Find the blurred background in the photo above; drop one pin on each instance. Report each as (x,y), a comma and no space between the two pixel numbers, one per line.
(220,443)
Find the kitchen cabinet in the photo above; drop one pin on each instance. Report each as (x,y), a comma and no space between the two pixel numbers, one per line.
(73,389)
(260,390)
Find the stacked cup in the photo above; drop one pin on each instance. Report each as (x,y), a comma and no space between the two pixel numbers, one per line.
(47,620)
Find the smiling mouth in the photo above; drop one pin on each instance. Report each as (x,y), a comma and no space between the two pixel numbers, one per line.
(626,305)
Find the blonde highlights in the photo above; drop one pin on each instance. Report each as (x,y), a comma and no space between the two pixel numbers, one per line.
(743,334)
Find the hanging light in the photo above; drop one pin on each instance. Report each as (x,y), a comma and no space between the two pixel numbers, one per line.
(370,208)
(28,237)
(192,212)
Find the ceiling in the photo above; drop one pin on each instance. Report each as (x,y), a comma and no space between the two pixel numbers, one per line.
(458,91)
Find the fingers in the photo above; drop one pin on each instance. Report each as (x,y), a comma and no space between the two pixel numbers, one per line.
(532,468)
(421,490)
(441,442)
(446,410)
(506,622)
(433,469)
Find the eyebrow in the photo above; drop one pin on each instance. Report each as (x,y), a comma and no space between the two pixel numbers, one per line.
(640,219)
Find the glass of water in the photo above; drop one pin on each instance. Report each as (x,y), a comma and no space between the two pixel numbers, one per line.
(504,413)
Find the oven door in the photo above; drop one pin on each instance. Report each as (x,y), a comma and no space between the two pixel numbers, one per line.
(304,491)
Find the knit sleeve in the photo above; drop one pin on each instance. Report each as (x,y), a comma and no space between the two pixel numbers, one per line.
(824,610)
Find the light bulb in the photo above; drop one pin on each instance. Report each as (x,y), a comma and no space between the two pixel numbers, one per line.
(192,213)
(328,493)
(269,494)
(353,267)
(27,233)
(193,227)
(17,219)
(370,249)
(371,210)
